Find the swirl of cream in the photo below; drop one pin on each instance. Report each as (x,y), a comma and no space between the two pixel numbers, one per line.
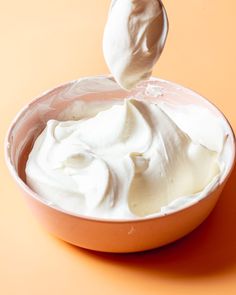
(127,161)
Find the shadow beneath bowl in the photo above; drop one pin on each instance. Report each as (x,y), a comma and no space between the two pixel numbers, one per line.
(208,250)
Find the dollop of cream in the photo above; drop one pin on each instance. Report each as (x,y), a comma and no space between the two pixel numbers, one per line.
(129,160)
(133,40)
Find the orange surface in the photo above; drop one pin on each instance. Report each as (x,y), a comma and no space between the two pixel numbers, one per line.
(44,43)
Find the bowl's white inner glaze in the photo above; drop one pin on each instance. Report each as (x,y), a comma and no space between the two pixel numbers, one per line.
(52,105)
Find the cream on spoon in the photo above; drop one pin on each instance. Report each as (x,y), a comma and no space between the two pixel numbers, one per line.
(134,37)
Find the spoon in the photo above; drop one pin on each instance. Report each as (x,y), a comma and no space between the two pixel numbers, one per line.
(134,37)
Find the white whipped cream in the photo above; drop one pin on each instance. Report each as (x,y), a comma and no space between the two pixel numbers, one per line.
(129,160)
(133,40)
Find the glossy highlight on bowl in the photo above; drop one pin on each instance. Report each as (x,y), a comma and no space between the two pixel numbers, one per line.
(96,233)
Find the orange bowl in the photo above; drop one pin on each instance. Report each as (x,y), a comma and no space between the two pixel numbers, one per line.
(95,233)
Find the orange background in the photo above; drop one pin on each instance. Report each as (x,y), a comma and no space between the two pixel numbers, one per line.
(44,43)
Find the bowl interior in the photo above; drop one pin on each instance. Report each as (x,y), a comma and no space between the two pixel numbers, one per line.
(32,119)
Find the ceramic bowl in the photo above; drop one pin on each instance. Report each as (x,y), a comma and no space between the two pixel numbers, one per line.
(94,233)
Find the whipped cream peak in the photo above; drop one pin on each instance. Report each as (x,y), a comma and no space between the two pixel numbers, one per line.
(129,160)
(133,40)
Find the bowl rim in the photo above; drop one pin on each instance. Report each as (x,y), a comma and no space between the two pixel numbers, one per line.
(41,200)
